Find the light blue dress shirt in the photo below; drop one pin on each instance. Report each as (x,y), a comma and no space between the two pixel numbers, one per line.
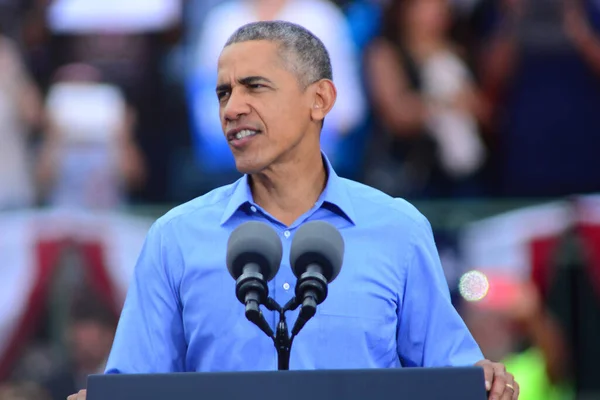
(389,307)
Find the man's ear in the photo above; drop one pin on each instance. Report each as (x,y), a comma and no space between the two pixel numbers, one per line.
(324,98)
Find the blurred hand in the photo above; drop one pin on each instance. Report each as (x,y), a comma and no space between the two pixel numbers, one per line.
(463,101)
(471,101)
(500,383)
(79,396)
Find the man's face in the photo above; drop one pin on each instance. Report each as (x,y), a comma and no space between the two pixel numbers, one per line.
(263,109)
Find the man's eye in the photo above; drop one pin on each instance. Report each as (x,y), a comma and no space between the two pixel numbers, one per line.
(222,95)
(256,86)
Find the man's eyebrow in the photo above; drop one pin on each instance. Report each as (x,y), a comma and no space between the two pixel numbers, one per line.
(249,80)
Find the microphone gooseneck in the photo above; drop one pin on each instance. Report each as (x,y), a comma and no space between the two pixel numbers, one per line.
(311,289)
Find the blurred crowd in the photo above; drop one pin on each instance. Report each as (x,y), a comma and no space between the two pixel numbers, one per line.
(106,103)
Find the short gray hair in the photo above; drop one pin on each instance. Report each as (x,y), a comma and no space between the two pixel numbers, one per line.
(301,50)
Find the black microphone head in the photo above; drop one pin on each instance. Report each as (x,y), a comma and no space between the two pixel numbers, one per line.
(254,242)
(320,243)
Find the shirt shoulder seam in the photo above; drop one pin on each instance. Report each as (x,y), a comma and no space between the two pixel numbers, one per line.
(167,219)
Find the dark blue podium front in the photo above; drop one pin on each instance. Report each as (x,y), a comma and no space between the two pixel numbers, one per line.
(370,384)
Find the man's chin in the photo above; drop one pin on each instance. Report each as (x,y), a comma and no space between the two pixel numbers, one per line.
(249,168)
(254,162)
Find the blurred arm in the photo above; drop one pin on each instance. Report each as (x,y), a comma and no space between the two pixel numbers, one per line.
(499,58)
(399,108)
(29,103)
(498,65)
(472,101)
(544,331)
(582,35)
(547,335)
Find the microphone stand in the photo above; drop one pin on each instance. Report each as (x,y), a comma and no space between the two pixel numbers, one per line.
(282,339)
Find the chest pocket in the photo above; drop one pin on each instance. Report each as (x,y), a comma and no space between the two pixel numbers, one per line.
(358,323)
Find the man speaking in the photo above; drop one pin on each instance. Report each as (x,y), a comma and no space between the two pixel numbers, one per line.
(390,305)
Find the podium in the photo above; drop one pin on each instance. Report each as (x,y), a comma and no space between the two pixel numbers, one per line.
(464,383)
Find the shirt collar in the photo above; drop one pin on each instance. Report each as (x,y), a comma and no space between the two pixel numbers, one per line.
(335,194)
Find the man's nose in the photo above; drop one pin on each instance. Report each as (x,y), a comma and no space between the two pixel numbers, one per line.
(236,106)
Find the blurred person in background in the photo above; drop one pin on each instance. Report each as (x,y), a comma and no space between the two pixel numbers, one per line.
(322,18)
(89,158)
(572,282)
(20,113)
(23,391)
(426,105)
(89,337)
(512,326)
(541,69)
(130,43)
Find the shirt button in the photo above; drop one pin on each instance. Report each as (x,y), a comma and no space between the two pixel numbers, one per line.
(286,286)
(253,209)
(286,234)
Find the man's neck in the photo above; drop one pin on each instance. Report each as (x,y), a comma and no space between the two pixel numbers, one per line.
(289,189)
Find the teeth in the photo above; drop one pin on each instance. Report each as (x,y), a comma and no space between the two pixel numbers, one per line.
(244,133)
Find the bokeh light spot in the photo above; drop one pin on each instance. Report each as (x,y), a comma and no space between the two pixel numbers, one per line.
(473,286)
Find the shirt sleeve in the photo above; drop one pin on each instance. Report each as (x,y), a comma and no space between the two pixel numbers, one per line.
(431,333)
(150,336)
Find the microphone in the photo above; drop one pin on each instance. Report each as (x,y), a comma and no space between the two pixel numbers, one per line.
(316,259)
(254,253)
